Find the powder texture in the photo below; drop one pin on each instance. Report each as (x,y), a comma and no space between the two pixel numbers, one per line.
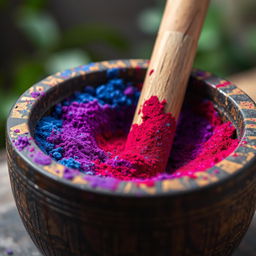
(146,147)
(42,159)
(21,142)
(35,94)
(69,134)
(202,138)
(9,252)
(88,134)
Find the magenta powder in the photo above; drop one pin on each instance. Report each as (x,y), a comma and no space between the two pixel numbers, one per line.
(35,94)
(42,159)
(146,148)
(201,141)
(87,134)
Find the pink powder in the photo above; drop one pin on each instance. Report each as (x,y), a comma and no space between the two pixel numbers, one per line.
(219,146)
(151,72)
(140,156)
(147,146)
(88,134)
(226,83)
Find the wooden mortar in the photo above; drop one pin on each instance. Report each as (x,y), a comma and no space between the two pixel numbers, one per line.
(207,216)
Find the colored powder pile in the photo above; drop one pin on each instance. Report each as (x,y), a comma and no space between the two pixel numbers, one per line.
(146,146)
(88,133)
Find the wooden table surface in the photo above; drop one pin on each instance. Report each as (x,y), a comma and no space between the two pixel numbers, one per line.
(14,237)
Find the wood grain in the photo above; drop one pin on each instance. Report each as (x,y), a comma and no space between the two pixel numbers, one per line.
(173,54)
(14,236)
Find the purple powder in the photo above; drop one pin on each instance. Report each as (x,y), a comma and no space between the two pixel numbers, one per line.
(21,142)
(80,122)
(69,134)
(31,149)
(42,159)
(35,94)
(69,174)
(9,252)
(90,128)
(17,130)
(193,130)
(107,182)
(129,91)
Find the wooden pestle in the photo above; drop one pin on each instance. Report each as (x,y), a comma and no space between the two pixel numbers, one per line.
(173,55)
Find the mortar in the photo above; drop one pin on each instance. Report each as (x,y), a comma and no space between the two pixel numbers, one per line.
(204,216)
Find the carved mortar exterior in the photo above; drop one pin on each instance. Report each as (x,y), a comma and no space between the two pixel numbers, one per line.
(207,216)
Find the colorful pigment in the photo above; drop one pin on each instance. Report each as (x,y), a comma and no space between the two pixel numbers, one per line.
(21,142)
(223,84)
(88,134)
(41,158)
(146,148)
(9,252)
(35,94)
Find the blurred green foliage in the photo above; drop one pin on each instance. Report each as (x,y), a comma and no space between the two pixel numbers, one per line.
(220,50)
(34,45)
(43,48)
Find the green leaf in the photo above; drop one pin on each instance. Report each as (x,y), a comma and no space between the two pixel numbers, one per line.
(216,61)
(83,36)
(7,101)
(209,39)
(26,74)
(143,49)
(35,4)
(3,3)
(39,27)
(251,40)
(149,20)
(66,59)
(212,32)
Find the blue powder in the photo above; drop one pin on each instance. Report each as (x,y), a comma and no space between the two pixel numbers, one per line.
(22,142)
(71,163)
(44,128)
(113,73)
(111,93)
(116,93)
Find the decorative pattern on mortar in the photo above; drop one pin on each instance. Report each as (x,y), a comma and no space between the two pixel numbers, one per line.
(243,155)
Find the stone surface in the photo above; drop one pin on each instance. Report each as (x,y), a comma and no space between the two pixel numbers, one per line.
(13,235)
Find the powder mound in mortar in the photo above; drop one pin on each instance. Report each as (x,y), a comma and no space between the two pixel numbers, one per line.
(143,147)
(88,133)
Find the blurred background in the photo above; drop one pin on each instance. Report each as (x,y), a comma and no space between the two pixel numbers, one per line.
(41,37)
